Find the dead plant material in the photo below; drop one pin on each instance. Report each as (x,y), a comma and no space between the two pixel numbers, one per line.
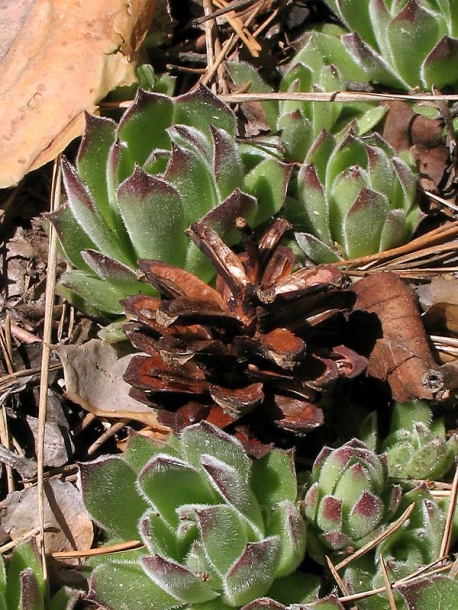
(406,130)
(45,46)
(400,353)
(430,254)
(267,340)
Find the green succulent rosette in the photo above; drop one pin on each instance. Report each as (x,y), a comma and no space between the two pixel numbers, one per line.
(416,445)
(22,582)
(299,123)
(411,547)
(406,44)
(139,184)
(350,499)
(220,530)
(353,197)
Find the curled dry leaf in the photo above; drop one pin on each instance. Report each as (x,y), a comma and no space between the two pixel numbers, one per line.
(93,375)
(59,58)
(400,353)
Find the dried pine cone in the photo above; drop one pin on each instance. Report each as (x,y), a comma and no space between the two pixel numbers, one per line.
(267,338)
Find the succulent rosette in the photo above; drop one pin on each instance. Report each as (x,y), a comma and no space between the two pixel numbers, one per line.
(22,583)
(416,445)
(407,45)
(220,530)
(349,499)
(354,197)
(415,544)
(137,186)
(299,123)
(302,122)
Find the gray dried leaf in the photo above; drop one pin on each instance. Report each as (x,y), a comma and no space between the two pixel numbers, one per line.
(69,525)
(93,374)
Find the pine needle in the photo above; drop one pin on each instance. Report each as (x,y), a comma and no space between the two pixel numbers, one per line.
(45,356)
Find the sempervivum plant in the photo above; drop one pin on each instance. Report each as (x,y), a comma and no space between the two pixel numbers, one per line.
(267,340)
(405,44)
(299,123)
(350,498)
(412,546)
(138,185)
(416,446)
(353,197)
(22,584)
(220,531)
(302,122)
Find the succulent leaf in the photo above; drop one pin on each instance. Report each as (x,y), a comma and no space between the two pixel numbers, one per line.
(201,109)
(95,147)
(316,214)
(287,524)
(80,288)
(364,223)
(206,439)
(126,586)
(228,169)
(73,240)
(89,217)
(268,183)
(168,483)
(223,538)
(242,583)
(144,123)
(231,485)
(433,591)
(191,176)
(97,498)
(274,478)
(442,59)
(152,211)
(177,580)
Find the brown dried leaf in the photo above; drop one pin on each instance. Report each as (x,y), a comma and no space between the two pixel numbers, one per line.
(69,524)
(400,352)
(405,130)
(439,301)
(58,445)
(59,58)
(93,375)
